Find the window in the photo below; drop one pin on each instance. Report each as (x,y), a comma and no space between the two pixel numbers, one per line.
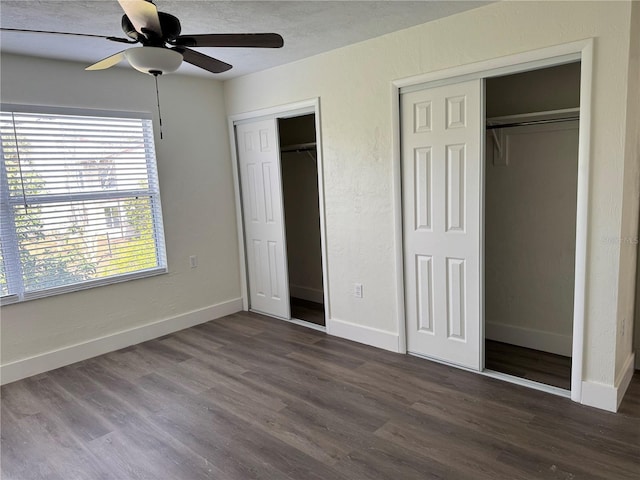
(79,201)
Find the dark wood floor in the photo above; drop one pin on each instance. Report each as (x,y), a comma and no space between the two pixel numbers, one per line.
(541,367)
(247,397)
(308,311)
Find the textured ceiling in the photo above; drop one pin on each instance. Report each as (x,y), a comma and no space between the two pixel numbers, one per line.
(308,27)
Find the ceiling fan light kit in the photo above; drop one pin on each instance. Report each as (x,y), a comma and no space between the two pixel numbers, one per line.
(153,60)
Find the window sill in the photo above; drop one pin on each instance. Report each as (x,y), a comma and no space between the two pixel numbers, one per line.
(13,299)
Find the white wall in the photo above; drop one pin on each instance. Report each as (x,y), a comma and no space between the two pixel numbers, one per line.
(629,234)
(354,86)
(196,188)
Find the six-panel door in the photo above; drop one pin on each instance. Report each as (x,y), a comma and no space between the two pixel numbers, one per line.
(441,164)
(262,205)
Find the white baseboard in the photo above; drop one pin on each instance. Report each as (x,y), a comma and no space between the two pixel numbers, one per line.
(362,334)
(51,360)
(608,397)
(599,395)
(307,293)
(529,338)
(624,379)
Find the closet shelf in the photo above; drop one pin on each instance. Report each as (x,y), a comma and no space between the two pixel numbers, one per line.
(299,147)
(533,118)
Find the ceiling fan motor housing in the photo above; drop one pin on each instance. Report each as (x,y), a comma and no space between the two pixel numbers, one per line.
(169,24)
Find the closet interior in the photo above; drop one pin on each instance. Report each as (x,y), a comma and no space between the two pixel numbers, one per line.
(297,137)
(531,175)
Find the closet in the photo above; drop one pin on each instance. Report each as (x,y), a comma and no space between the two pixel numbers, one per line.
(278,172)
(531,174)
(298,156)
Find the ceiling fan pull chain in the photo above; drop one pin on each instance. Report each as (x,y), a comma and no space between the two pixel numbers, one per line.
(155,75)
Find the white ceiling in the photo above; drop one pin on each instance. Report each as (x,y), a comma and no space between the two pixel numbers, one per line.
(308,27)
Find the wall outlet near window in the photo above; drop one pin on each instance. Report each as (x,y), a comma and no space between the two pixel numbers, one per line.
(357,290)
(193,261)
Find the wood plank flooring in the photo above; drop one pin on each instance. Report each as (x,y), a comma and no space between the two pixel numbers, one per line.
(526,363)
(248,397)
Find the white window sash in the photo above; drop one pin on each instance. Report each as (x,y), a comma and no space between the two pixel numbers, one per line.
(11,201)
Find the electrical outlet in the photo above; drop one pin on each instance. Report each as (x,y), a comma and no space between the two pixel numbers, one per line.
(357,290)
(624,325)
(193,261)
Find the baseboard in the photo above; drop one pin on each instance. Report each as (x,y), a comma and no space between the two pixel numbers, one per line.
(529,338)
(624,379)
(362,334)
(307,293)
(599,395)
(44,362)
(608,397)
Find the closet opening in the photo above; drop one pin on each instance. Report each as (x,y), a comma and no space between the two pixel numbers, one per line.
(531,182)
(299,166)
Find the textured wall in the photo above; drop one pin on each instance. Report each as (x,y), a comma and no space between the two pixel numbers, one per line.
(197,200)
(353,84)
(629,233)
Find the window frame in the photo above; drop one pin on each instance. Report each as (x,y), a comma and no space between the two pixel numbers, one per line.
(7,215)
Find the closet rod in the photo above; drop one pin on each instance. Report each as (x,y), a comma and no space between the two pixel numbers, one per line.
(299,147)
(532,122)
(298,150)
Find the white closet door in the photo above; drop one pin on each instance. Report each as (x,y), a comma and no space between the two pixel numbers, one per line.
(441,164)
(261,184)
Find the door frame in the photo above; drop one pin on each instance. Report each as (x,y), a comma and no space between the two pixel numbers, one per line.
(305,107)
(582,51)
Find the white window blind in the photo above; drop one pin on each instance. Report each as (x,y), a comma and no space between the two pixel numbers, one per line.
(79,202)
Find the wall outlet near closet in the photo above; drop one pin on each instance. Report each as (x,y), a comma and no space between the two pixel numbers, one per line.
(193,261)
(357,290)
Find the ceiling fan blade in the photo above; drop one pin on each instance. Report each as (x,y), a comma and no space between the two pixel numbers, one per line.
(206,62)
(20,30)
(251,40)
(105,63)
(143,15)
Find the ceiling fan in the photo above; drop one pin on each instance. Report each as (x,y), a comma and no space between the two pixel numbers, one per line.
(163,47)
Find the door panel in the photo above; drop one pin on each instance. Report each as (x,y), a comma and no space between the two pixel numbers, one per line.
(441,163)
(261,185)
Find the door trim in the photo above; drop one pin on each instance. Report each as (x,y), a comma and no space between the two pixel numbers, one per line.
(582,51)
(282,111)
